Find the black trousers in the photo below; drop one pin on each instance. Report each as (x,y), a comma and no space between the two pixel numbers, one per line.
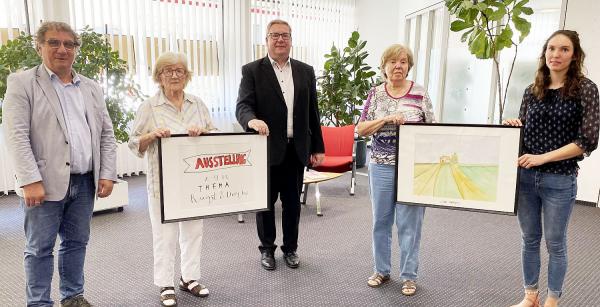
(285,183)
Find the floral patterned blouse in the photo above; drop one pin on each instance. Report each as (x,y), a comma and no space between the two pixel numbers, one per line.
(556,121)
(415,105)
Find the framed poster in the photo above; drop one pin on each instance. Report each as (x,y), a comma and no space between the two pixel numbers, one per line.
(465,167)
(212,175)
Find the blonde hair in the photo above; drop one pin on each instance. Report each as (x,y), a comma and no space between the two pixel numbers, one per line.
(171,58)
(277,22)
(392,52)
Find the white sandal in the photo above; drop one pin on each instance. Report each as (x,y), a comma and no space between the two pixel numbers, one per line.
(167,296)
(193,287)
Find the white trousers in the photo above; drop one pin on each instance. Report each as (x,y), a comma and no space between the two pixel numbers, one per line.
(164,237)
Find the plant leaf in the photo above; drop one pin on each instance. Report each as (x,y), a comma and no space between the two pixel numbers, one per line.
(459,25)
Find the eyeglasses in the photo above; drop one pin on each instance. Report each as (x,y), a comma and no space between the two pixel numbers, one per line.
(55,44)
(179,72)
(276,36)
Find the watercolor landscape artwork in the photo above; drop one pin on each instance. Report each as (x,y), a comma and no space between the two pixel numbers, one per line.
(456,166)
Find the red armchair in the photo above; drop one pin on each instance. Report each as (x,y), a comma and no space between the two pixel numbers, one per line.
(339,153)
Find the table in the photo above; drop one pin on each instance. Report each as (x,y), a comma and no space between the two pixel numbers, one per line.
(315,177)
(310,177)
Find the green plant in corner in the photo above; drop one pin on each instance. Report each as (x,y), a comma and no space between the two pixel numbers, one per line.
(488,26)
(345,83)
(95,60)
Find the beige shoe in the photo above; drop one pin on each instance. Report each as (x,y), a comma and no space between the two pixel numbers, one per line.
(532,299)
(409,288)
(76,301)
(377,280)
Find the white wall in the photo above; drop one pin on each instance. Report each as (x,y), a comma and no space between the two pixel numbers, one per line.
(585,21)
(381,23)
(378,24)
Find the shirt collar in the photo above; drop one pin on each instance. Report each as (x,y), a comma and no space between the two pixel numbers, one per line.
(76,80)
(273,63)
(162,98)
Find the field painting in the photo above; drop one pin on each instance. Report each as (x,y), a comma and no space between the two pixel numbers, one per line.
(456,166)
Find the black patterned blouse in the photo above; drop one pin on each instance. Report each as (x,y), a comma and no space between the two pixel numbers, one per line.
(556,121)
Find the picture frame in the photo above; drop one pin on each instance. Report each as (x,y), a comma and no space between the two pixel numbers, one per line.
(212,175)
(455,166)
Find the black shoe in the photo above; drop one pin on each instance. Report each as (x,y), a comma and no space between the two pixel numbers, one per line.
(291,259)
(267,260)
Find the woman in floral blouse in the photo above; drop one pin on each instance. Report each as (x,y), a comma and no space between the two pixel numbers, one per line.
(392,103)
(559,114)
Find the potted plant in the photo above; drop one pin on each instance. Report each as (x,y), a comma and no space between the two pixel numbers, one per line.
(95,60)
(488,27)
(344,86)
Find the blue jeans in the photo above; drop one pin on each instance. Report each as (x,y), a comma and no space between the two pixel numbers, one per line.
(69,218)
(549,198)
(409,220)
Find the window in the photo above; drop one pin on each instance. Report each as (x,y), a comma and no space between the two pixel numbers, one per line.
(462,88)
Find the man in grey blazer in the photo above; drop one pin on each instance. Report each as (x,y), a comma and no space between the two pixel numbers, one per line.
(61,140)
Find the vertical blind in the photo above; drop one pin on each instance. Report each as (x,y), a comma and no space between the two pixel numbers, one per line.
(316,26)
(15,18)
(141,30)
(218,36)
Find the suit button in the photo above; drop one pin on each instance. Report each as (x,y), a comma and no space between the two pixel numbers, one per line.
(68,163)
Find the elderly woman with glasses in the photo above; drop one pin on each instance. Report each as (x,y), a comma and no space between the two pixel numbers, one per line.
(171,111)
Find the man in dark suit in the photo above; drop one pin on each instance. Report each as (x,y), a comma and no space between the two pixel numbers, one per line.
(278,98)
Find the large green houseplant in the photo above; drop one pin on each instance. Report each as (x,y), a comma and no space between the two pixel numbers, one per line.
(488,28)
(345,83)
(95,59)
(344,86)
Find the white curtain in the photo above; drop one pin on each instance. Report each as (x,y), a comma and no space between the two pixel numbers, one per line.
(140,30)
(316,25)
(13,18)
(219,36)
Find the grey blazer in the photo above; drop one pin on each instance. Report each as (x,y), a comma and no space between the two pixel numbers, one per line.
(36,134)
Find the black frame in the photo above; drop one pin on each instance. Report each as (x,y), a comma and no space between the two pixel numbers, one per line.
(515,208)
(160,167)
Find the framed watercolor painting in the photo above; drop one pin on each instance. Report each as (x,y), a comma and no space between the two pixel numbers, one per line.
(465,167)
(212,175)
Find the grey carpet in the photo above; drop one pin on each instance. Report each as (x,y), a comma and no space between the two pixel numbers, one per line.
(467,259)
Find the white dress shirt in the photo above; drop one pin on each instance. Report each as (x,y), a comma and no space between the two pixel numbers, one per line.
(286,81)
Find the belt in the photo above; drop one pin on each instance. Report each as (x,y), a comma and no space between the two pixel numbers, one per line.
(84,174)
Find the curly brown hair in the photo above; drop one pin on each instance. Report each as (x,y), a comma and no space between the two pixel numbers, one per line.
(574,73)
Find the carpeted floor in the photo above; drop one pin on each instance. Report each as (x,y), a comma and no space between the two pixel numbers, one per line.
(467,259)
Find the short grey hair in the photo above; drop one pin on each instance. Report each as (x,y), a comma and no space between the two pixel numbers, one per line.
(170,58)
(59,26)
(277,22)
